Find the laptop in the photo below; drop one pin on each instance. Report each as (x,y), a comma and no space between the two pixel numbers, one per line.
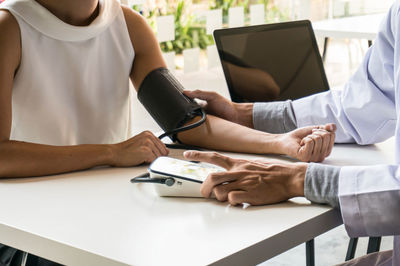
(271,62)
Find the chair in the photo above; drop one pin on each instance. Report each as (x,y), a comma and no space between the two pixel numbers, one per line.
(374,244)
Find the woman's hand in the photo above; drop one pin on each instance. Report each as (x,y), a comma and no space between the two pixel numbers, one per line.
(217,105)
(142,148)
(308,144)
(253,182)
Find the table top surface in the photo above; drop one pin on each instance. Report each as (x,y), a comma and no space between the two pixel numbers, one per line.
(359,27)
(98,217)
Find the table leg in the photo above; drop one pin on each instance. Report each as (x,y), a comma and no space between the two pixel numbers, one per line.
(24,258)
(310,255)
(326,42)
(374,244)
(351,250)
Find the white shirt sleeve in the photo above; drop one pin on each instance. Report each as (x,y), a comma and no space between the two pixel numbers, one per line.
(370,200)
(364,111)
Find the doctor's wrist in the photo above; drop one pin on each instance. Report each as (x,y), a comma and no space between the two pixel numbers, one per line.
(296,181)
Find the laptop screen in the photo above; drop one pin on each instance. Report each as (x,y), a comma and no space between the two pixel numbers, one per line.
(271,62)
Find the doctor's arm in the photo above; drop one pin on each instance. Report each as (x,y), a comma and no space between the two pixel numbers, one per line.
(368,208)
(364,111)
(217,133)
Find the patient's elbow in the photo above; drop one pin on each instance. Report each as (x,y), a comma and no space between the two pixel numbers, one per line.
(7,167)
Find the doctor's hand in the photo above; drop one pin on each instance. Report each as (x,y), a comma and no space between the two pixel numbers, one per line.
(308,144)
(217,105)
(142,148)
(253,182)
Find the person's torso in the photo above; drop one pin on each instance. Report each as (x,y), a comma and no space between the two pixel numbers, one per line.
(72,85)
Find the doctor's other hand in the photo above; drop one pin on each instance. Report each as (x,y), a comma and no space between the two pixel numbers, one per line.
(253,182)
(142,148)
(217,105)
(308,144)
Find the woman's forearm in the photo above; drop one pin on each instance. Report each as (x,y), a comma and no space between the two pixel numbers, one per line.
(22,159)
(244,114)
(219,134)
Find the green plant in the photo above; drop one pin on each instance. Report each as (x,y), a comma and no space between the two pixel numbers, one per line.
(273,13)
(226,4)
(189,32)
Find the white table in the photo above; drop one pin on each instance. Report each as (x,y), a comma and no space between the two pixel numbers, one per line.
(358,27)
(97,217)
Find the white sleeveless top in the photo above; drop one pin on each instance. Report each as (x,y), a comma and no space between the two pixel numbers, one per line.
(72,86)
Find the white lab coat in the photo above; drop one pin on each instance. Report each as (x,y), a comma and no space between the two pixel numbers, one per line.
(366,112)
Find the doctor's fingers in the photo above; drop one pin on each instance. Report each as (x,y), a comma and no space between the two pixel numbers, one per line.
(216,179)
(329,143)
(316,152)
(306,149)
(326,142)
(210,157)
(331,127)
(237,197)
(316,156)
(328,129)
(221,191)
(333,137)
(202,95)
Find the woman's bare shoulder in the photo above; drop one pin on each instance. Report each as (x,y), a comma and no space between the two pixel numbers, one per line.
(133,19)
(9,30)
(10,40)
(8,23)
(140,32)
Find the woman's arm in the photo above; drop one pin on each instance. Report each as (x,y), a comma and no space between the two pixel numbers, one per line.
(216,133)
(21,159)
(307,144)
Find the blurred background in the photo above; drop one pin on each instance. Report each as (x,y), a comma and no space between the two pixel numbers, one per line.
(185,27)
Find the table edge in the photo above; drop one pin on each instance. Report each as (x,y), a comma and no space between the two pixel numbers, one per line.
(284,241)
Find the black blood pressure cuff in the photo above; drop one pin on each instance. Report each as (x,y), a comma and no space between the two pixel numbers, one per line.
(162,96)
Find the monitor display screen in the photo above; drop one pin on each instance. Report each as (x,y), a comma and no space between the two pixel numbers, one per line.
(271,62)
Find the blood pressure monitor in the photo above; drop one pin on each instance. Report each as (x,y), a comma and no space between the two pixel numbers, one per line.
(177,178)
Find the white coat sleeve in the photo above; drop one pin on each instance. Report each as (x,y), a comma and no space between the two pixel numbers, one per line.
(364,111)
(369,200)
(369,196)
